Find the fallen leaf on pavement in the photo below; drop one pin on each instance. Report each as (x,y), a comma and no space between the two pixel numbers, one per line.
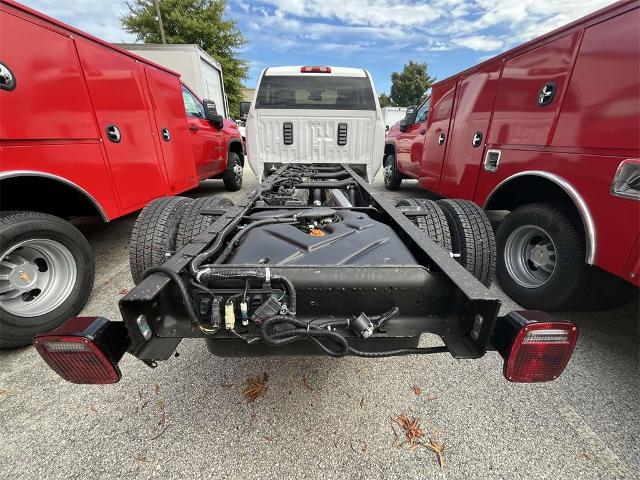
(255,388)
(141,458)
(438,449)
(411,428)
(417,390)
(93,408)
(124,291)
(268,439)
(157,389)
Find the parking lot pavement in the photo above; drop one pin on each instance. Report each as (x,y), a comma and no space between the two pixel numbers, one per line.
(320,417)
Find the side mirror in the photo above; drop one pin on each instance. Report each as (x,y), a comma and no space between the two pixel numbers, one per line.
(409,118)
(211,114)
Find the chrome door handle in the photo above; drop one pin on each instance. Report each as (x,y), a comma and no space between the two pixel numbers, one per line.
(441,138)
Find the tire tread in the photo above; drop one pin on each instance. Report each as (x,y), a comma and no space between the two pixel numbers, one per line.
(473,238)
(154,233)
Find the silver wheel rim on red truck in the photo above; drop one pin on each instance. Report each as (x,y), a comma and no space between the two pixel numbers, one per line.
(530,256)
(36,277)
(388,173)
(237,171)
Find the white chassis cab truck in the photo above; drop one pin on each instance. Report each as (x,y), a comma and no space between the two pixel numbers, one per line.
(319,115)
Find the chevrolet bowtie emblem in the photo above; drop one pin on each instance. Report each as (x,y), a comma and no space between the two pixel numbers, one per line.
(25,277)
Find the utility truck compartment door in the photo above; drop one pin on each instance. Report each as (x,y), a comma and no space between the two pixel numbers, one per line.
(117,87)
(49,99)
(171,129)
(530,93)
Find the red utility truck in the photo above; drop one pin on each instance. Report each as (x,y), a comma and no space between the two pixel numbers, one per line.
(549,131)
(86,128)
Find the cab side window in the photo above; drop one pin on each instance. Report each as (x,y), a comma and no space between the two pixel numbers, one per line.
(423,111)
(191,104)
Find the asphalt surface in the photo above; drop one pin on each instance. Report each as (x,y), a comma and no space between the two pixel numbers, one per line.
(320,417)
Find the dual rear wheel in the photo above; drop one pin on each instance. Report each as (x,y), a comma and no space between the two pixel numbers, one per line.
(460,227)
(166,225)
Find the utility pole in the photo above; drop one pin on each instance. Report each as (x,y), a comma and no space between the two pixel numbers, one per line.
(157,4)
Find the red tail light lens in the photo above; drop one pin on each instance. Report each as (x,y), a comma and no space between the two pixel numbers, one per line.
(315,70)
(77,359)
(540,351)
(85,349)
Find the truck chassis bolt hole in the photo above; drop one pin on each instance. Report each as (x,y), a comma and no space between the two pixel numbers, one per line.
(263,261)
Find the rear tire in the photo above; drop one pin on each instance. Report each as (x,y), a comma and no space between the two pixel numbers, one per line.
(46,274)
(433,222)
(540,257)
(392,178)
(153,238)
(233,177)
(570,283)
(472,238)
(193,223)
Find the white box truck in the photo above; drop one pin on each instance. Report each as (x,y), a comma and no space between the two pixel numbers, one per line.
(393,115)
(199,70)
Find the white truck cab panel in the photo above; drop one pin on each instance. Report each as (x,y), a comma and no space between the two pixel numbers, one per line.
(316,115)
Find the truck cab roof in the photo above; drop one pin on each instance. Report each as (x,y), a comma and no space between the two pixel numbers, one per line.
(328,71)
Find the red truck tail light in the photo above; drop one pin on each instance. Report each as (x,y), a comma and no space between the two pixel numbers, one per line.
(535,347)
(85,349)
(315,69)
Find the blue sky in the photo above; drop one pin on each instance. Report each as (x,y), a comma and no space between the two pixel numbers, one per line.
(379,35)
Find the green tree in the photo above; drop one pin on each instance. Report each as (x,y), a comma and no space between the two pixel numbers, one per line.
(202,22)
(385,100)
(408,87)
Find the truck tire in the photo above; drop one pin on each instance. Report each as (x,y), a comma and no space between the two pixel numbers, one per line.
(540,257)
(194,223)
(392,178)
(432,221)
(472,238)
(154,234)
(46,274)
(233,177)
(571,283)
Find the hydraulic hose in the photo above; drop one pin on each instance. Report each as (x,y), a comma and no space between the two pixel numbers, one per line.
(182,289)
(304,330)
(220,272)
(315,332)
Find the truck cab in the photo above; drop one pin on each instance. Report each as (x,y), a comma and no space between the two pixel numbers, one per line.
(312,114)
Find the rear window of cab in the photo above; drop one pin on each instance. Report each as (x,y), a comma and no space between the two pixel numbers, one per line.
(315,93)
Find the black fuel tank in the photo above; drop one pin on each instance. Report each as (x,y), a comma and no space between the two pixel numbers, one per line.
(354,239)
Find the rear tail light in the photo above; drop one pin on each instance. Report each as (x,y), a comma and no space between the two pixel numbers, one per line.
(85,349)
(535,347)
(315,70)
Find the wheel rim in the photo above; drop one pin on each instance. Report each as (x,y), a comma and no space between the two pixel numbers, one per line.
(388,172)
(36,277)
(237,171)
(530,256)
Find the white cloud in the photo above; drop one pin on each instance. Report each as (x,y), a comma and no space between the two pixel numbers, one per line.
(479,43)
(100,18)
(361,12)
